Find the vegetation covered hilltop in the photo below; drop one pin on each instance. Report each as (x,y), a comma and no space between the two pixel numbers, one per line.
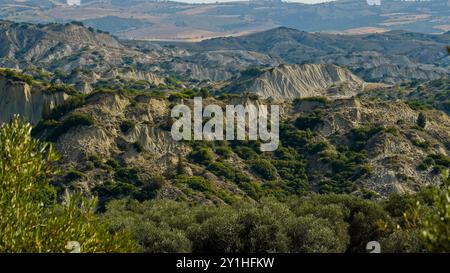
(33,221)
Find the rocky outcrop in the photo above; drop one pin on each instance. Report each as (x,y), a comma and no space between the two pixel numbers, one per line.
(29,101)
(287,82)
(131,74)
(105,137)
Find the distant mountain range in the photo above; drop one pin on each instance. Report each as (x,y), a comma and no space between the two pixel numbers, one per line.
(140,19)
(86,55)
(390,57)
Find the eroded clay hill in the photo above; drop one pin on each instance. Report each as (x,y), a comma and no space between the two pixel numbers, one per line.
(287,82)
(134,132)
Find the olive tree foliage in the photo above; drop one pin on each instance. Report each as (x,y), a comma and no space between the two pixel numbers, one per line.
(330,223)
(30,218)
(436,225)
(245,227)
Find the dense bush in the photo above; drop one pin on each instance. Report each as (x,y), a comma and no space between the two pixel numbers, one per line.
(251,72)
(224,152)
(264,169)
(313,235)
(127,183)
(294,174)
(197,183)
(421,120)
(16,76)
(69,105)
(77,23)
(202,155)
(69,122)
(126,126)
(223,169)
(439,162)
(308,122)
(245,152)
(322,100)
(435,225)
(360,136)
(68,89)
(138,147)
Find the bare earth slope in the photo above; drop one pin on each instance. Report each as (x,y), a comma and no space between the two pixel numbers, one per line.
(297,81)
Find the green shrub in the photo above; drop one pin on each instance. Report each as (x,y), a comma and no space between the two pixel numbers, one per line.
(128,175)
(308,122)
(73,175)
(16,76)
(173,81)
(154,239)
(322,100)
(204,93)
(218,234)
(98,162)
(69,105)
(245,152)
(403,241)
(138,147)
(131,183)
(435,225)
(198,183)
(264,169)
(202,155)
(438,161)
(367,169)
(68,123)
(77,23)
(126,126)
(421,144)
(286,153)
(112,163)
(68,89)
(222,169)
(392,130)
(421,120)
(360,136)
(252,189)
(224,151)
(44,125)
(158,225)
(262,229)
(313,235)
(251,72)
(148,191)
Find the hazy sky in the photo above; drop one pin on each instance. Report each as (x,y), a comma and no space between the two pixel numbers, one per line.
(213,1)
(77,2)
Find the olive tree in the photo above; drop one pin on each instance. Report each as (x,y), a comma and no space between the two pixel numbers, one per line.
(31,219)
